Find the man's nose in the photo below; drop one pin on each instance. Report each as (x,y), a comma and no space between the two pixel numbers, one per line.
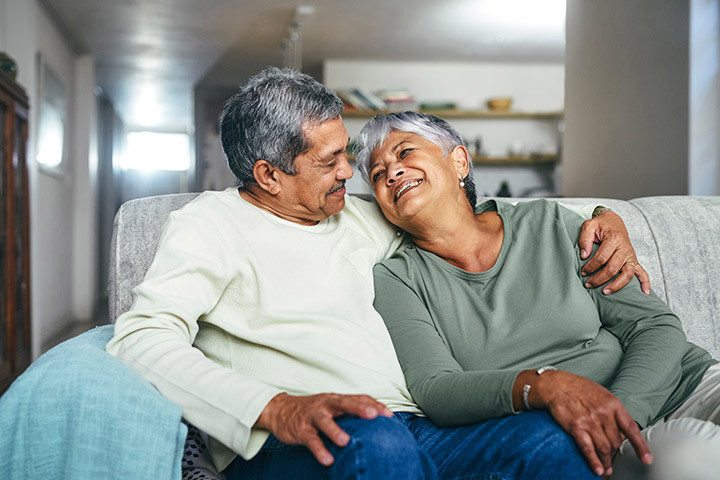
(345,171)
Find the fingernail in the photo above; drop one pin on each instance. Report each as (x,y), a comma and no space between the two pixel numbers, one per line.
(647,459)
(587,285)
(583,253)
(608,472)
(326,460)
(606,291)
(343,439)
(371,412)
(599,471)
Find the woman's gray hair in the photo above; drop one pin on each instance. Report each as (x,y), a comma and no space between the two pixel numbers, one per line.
(430,127)
(265,119)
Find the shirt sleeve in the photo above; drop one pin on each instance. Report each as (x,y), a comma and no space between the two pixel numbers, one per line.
(585,211)
(446,393)
(651,337)
(653,343)
(185,281)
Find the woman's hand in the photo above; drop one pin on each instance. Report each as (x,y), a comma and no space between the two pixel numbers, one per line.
(615,252)
(592,415)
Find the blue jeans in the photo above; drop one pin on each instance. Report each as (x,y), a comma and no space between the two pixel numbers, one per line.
(525,446)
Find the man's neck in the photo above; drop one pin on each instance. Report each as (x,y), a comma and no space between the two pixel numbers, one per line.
(264,202)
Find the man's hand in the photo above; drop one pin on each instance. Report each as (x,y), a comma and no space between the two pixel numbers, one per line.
(592,415)
(299,420)
(615,252)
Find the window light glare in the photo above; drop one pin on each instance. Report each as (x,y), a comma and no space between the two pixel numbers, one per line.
(50,146)
(153,151)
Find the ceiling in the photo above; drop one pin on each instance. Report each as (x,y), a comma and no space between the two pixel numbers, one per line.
(151,54)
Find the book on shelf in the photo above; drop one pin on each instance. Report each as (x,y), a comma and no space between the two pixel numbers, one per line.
(364,99)
(350,99)
(370,98)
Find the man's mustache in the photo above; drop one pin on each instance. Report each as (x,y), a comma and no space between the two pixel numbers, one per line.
(336,188)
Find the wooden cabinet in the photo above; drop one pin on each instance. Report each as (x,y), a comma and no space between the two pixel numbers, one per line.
(15,343)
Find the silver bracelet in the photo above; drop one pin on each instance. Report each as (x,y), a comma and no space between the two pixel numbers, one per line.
(526,387)
(526,394)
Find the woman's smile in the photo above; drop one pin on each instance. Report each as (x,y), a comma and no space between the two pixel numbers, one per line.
(405,186)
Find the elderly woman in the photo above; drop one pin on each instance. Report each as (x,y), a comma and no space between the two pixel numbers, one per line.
(481,334)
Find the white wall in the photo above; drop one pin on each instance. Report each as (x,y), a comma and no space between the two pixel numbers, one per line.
(533,87)
(705,97)
(61,250)
(626,98)
(85,199)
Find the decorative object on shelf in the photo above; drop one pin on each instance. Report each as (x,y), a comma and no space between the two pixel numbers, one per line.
(516,148)
(504,190)
(499,104)
(8,65)
(438,106)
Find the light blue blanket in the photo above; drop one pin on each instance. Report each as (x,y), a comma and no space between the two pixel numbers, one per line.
(77,412)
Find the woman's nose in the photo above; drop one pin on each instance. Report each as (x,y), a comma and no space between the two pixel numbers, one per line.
(395,174)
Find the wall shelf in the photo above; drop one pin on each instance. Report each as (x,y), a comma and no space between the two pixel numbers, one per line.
(517,160)
(466,114)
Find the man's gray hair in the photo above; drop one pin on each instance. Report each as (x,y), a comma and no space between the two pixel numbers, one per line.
(430,127)
(266,118)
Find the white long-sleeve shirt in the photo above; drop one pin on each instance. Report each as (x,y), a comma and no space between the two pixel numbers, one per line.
(270,305)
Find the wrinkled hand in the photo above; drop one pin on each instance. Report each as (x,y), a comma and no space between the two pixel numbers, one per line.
(615,252)
(299,420)
(593,416)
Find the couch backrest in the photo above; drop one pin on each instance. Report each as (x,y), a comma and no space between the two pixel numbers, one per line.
(675,239)
(136,230)
(685,231)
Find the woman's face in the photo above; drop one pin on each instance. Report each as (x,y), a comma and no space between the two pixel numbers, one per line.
(410,175)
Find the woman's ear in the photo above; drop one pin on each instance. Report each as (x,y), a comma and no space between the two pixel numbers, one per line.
(462,161)
(267,177)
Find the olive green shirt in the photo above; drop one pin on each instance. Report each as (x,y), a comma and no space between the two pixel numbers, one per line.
(462,338)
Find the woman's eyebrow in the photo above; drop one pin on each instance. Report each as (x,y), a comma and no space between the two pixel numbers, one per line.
(394,149)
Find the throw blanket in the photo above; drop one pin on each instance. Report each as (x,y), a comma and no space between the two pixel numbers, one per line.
(78,412)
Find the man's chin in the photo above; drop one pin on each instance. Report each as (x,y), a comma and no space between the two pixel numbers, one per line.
(334,205)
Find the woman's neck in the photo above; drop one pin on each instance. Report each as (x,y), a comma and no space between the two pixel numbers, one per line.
(466,240)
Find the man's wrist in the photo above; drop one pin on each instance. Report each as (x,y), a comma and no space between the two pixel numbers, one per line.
(600,209)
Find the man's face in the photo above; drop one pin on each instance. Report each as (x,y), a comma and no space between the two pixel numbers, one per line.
(317,190)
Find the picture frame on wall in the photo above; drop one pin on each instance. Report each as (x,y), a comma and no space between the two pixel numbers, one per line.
(51,145)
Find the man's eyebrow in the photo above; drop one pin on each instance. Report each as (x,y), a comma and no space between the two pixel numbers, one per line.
(340,150)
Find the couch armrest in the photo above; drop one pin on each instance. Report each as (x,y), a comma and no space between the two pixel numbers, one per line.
(78,412)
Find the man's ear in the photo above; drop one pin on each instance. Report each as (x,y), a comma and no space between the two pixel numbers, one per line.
(461,158)
(267,177)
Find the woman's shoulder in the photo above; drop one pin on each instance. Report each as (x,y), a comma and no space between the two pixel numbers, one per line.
(402,264)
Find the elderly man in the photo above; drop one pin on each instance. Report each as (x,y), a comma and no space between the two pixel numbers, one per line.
(256,315)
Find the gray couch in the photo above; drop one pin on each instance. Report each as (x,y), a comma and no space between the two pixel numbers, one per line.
(675,239)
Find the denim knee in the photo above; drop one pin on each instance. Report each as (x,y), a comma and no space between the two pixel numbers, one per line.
(382,448)
(552,452)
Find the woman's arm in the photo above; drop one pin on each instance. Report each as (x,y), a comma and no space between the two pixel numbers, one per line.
(653,343)
(446,393)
